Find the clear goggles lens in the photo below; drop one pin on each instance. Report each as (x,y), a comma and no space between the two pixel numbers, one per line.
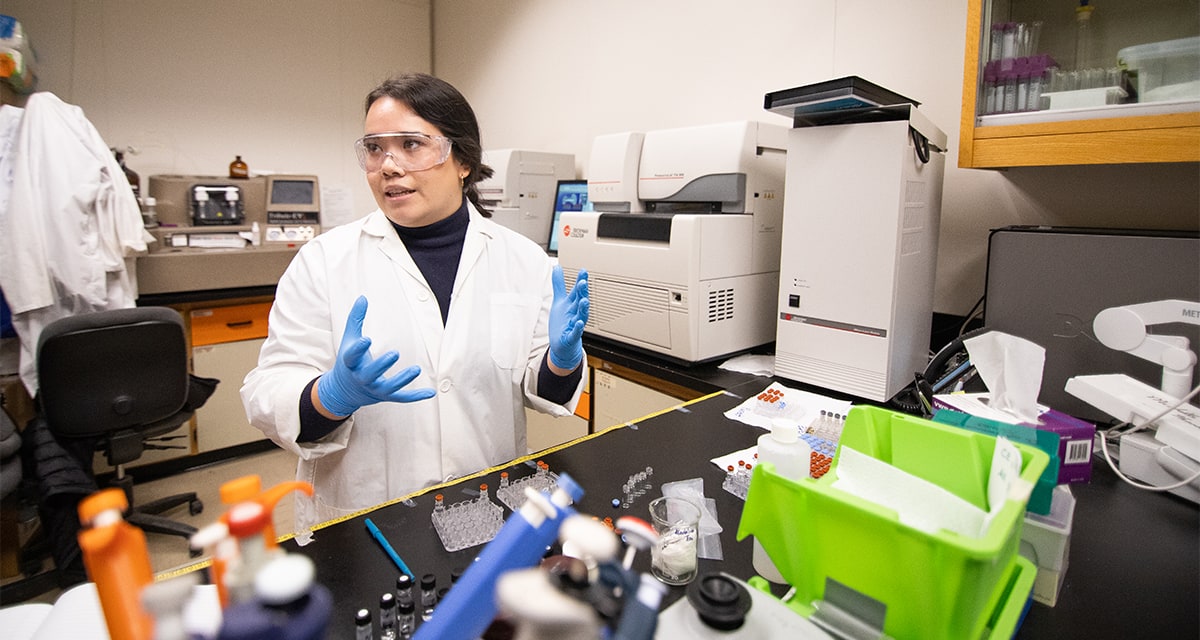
(408,151)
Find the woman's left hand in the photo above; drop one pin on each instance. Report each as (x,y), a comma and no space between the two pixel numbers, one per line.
(568,315)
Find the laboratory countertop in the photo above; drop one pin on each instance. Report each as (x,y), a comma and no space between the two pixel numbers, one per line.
(1134,560)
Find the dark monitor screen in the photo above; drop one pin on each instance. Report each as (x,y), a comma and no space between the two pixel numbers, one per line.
(293,192)
(571,195)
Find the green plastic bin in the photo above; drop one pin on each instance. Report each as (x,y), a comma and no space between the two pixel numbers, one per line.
(934,585)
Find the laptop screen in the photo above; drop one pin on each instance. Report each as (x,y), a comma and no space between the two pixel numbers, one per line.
(571,195)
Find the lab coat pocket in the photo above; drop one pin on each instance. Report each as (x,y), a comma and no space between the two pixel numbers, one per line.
(514,316)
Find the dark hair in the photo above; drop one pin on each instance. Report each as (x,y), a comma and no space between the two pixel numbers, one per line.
(438,102)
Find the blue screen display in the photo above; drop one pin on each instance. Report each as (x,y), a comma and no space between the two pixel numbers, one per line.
(571,196)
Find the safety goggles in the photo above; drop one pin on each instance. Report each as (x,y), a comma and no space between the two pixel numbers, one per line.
(408,151)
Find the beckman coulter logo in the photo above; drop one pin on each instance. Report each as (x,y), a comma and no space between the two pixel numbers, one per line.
(568,232)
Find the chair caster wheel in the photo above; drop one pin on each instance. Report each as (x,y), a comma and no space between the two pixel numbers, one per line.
(195,507)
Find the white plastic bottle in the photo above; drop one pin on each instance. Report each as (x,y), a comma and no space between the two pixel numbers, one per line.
(792,458)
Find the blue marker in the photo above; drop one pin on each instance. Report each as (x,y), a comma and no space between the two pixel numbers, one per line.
(387,546)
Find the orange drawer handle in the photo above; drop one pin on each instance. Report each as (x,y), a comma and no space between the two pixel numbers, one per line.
(243,323)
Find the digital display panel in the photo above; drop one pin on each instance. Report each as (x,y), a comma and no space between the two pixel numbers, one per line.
(571,195)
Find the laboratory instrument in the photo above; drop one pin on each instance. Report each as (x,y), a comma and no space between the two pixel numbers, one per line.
(521,191)
(1170,457)
(861,221)
(1047,284)
(682,248)
(721,606)
(286,207)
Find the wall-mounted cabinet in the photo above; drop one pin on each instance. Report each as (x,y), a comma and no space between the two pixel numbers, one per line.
(1057,83)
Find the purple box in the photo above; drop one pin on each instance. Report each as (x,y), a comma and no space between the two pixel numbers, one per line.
(1075,435)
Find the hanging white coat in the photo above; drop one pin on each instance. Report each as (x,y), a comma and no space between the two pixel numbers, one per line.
(484,362)
(70,226)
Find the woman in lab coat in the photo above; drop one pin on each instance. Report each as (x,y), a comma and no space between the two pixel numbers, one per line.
(476,315)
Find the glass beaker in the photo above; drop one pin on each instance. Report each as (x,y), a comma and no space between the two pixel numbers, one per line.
(673,557)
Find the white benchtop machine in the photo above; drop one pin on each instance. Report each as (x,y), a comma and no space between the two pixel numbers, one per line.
(682,251)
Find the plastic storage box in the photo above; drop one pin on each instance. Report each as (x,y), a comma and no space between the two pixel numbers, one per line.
(933,585)
(1167,70)
(1046,542)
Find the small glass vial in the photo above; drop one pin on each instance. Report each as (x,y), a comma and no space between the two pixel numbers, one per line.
(439,504)
(428,595)
(238,169)
(387,617)
(362,626)
(404,589)
(406,619)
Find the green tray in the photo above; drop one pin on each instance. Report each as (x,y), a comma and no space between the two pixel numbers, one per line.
(933,585)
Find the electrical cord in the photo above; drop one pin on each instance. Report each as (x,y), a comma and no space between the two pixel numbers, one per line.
(976,311)
(920,144)
(1105,437)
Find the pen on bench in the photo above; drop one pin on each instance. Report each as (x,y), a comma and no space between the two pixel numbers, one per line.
(387,546)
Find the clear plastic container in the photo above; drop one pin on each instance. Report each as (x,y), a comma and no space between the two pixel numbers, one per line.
(1167,70)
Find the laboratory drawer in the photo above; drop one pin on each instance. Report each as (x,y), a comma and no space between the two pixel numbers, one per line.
(218,325)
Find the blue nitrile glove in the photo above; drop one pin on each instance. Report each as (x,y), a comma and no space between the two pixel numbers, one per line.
(568,315)
(357,380)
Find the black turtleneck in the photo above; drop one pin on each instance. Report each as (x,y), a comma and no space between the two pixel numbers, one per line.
(437,248)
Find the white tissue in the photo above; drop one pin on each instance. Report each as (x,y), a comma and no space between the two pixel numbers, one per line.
(1011,367)
(924,505)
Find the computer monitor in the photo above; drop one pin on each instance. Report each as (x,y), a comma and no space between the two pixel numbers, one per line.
(569,195)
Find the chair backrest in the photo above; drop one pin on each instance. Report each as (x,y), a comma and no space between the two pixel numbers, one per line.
(106,371)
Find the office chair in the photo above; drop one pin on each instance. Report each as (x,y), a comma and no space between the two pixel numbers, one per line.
(119,378)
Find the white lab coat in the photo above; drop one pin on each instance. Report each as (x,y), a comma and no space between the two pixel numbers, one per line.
(484,362)
(71,229)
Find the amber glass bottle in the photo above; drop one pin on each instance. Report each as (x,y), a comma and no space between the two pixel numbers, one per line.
(238,169)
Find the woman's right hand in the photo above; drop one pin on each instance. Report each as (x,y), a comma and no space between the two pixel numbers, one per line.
(357,379)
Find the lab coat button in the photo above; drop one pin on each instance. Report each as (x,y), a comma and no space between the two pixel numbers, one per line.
(423,296)
(445,386)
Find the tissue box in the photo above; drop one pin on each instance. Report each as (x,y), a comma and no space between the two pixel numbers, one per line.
(1043,492)
(934,585)
(1075,435)
(1046,542)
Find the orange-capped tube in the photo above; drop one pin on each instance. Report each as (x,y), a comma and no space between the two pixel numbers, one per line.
(238,490)
(249,489)
(115,555)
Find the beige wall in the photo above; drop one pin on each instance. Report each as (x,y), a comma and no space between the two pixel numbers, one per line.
(191,84)
(552,74)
